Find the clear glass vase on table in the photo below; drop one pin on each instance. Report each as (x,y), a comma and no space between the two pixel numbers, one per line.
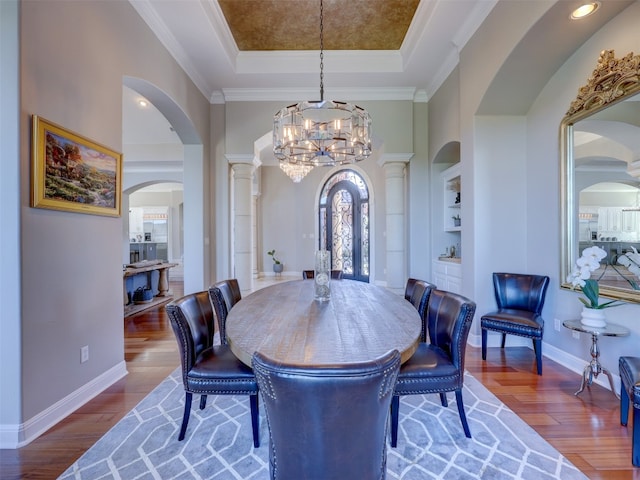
(322,275)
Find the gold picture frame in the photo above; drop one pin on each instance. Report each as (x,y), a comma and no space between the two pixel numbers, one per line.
(69,172)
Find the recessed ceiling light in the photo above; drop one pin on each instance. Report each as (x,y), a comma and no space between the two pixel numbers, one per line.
(585,10)
(143,103)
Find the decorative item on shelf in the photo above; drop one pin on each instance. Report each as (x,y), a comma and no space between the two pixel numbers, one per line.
(456,220)
(322,275)
(320,133)
(592,312)
(277,264)
(457,200)
(454,184)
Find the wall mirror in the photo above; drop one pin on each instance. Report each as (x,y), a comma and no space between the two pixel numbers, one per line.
(600,176)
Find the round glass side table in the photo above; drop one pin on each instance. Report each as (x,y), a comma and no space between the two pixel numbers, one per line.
(594,368)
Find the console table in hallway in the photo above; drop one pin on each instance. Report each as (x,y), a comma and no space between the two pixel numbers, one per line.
(147,268)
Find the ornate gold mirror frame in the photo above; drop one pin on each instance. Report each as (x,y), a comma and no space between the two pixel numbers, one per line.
(612,81)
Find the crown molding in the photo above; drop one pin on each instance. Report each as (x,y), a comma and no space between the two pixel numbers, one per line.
(148,13)
(301,94)
(221,29)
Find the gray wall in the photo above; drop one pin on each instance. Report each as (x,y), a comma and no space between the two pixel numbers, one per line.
(543,123)
(510,168)
(10,347)
(71,264)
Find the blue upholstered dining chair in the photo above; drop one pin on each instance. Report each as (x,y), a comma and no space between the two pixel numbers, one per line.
(520,298)
(327,421)
(630,393)
(208,369)
(419,292)
(224,295)
(408,288)
(437,366)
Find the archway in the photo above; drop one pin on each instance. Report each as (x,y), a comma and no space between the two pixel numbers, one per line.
(188,169)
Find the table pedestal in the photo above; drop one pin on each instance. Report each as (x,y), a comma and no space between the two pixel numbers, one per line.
(594,368)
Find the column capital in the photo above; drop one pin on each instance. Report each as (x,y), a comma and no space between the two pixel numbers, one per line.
(242,158)
(386,158)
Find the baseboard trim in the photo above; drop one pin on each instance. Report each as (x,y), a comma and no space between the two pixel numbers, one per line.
(16,436)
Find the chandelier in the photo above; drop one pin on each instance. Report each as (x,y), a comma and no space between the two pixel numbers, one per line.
(320,132)
(295,171)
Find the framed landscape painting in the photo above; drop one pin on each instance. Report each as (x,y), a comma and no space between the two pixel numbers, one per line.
(70,172)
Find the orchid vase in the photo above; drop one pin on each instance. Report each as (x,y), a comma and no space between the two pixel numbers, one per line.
(593,317)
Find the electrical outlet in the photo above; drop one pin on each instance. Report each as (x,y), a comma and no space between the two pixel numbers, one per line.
(84,354)
(557,324)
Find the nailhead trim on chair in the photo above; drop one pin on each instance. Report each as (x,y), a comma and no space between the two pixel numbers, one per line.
(454,378)
(630,394)
(527,332)
(389,382)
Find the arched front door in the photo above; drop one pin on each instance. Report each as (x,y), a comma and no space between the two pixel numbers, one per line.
(344,224)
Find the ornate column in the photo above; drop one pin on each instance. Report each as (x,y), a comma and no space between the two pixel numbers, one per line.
(394,170)
(242,169)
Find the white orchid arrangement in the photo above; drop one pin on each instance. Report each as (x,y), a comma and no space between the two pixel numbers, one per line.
(588,263)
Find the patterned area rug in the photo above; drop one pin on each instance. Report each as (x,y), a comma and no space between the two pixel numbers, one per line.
(218,443)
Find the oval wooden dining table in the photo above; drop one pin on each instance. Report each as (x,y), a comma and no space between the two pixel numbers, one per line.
(360,322)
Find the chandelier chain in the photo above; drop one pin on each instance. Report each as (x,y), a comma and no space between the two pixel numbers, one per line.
(320,133)
(321,51)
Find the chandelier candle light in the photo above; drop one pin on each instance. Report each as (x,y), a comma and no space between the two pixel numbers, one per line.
(593,310)
(320,132)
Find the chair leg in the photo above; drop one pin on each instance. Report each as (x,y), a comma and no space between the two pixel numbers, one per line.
(624,405)
(185,416)
(395,407)
(635,439)
(484,344)
(504,339)
(255,420)
(537,348)
(203,401)
(463,416)
(443,399)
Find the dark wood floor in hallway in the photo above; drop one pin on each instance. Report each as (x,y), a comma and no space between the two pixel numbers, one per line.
(586,429)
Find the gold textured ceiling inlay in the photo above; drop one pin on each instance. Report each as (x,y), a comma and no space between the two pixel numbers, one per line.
(295,24)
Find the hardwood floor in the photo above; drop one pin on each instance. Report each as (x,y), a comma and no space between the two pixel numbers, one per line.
(586,429)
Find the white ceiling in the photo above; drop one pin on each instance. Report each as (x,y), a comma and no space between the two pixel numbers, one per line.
(197,36)
(144,125)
